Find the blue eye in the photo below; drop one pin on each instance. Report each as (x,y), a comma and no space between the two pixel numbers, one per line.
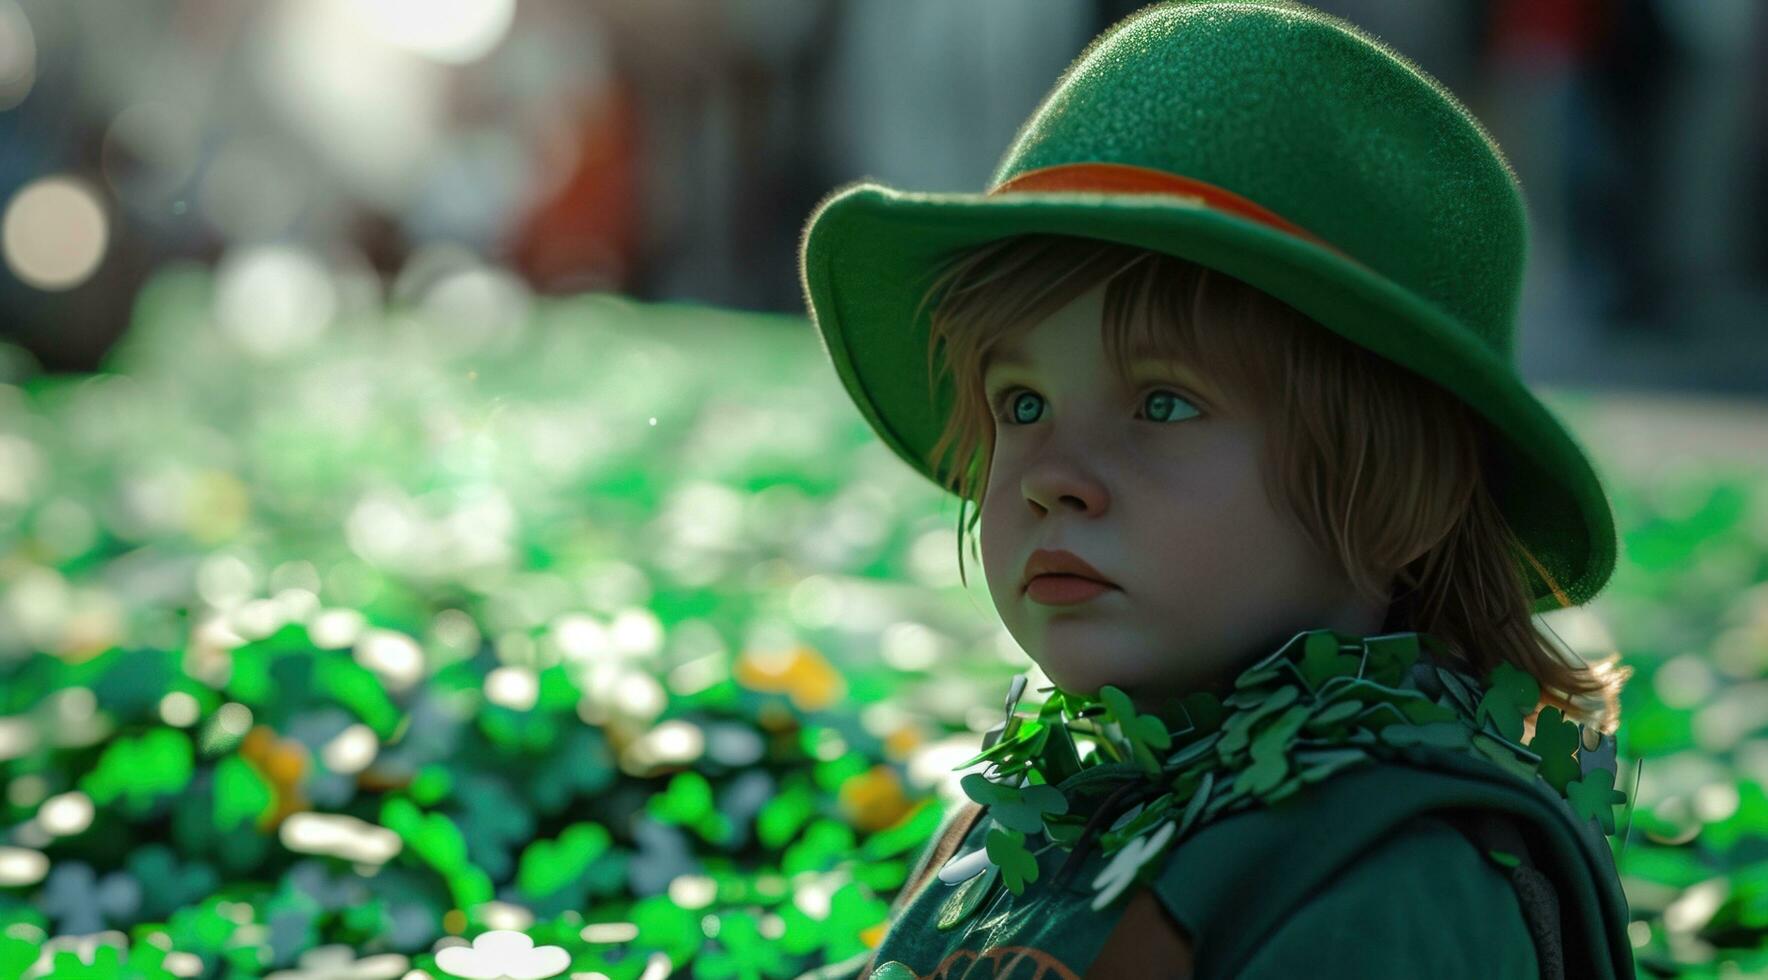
(1168,406)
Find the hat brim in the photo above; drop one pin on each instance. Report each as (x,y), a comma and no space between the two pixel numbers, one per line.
(869,252)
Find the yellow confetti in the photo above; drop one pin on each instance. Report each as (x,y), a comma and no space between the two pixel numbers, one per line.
(800,673)
(874,799)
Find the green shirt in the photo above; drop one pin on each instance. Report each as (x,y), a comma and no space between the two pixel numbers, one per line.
(1356,777)
(1353,877)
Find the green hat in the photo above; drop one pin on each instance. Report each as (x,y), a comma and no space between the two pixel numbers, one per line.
(1277,144)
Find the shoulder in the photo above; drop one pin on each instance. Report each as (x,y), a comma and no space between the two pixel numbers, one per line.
(953,828)
(1423,902)
(1146,942)
(942,847)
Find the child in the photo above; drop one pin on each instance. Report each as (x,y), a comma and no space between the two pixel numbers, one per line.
(1230,347)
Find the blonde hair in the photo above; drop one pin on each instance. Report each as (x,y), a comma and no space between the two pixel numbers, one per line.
(1426,523)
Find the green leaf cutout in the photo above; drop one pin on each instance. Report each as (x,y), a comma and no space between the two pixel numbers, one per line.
(1595,797)
(1500,753)
(1145,733)
(1556,742)
(1512,696)
(1026,813)
(1270,755)
(966,898)
(1322,660)
(986,791)
(1127,863)
(1390,658)
(1006,848)
(1504,858)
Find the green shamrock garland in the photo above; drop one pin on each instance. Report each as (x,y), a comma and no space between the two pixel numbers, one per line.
(1322,702)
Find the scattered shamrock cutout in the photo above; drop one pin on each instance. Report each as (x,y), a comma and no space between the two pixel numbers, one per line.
(1270,760)
(965,866)
(81,902)
(1238,728)
(504,954)
(1144,732)
(96,957)
(1321,660)
(1017,808)
(1594,797)
(1512,697)
(548,865)
(663,855)
(1502,754)
(134,772)
(1338,711)
(966,897)
(493,822)
(1555,742)
(1460,691)
(666,928)
(1006,848)
(167,883)
(741,951)
(1387,659)
(1127,863)
(853,909)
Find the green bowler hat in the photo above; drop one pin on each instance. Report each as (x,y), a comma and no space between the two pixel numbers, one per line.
(1284,147)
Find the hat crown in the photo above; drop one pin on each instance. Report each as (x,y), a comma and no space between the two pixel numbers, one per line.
(1317,121)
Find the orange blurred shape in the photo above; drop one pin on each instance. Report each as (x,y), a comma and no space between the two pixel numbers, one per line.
(902,742)
(800,673)
(257,743)
(586,235)
(775,718)
(874,799)
(873,935)
(282,762)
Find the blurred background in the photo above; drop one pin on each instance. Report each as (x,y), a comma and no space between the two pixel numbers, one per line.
(425,509)
(672,149)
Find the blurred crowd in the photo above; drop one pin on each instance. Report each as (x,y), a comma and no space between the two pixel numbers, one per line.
(672,149)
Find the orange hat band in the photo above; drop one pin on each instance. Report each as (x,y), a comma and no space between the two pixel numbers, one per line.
(1125,178)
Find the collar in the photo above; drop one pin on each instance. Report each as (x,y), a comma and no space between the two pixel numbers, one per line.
(1091,769)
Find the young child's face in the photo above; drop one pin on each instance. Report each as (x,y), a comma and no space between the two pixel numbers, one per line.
(1157,485)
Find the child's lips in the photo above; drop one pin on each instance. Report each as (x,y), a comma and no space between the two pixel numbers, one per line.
(1065,590)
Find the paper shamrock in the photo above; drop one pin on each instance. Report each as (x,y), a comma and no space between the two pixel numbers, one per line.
(1555,742)
(1143,733)
(740,951)
(1595,797)
(82,902)
(1124,866)
(1006,848)
(1321,703)
(1018,808)
(504,953)
(1512,696)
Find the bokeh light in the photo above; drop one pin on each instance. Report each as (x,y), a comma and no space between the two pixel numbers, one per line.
(18,54)
(54,231)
